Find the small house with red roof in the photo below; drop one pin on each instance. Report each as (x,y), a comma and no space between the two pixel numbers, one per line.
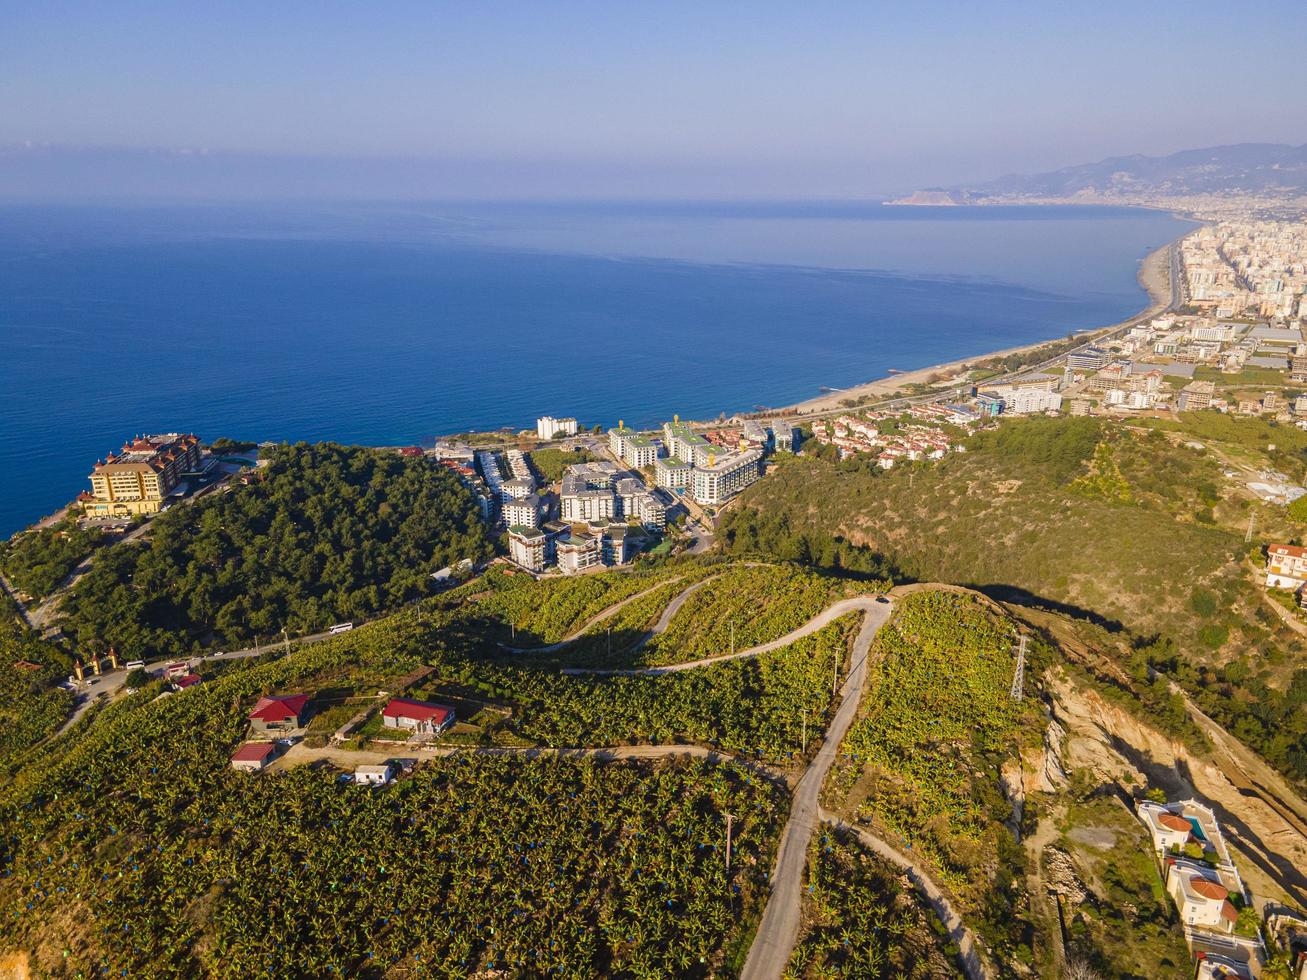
(253,756)
(185,681)
(279,713)
(422,717)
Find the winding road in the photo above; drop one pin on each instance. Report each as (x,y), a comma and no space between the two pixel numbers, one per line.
(774,942)
(819,622)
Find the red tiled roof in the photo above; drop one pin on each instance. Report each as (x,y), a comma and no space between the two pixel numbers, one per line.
(417,710)
(282,708)
(1229,912)
(186,680)
(1209,889)
(253,752)
(1173,822)
(1289,550)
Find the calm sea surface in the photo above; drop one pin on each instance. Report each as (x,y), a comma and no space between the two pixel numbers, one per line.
(392,324)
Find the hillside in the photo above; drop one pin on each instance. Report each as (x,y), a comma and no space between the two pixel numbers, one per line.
(327,533)
(1131,529)
(575,823)
(1242,168)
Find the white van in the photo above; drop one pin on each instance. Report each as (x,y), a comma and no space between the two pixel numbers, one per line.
(341,628)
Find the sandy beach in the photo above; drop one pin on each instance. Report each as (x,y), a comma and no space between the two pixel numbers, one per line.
(1154,275)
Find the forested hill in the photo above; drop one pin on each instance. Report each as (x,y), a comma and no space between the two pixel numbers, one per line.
(330,533)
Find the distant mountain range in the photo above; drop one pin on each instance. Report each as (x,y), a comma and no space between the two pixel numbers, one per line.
(1244,168)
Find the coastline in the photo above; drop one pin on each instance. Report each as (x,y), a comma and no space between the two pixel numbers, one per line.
(1153,275)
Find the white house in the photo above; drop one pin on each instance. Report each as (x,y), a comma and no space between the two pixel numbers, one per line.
(373,775)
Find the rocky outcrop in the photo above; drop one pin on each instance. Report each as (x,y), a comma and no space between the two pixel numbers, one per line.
(1120,752)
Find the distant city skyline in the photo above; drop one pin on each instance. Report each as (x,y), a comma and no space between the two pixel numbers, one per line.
(589,100)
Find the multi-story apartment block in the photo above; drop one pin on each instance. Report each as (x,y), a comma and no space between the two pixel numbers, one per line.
(1195,396)
(523,511)
(577,552)
(138,479)
(548,427)
(529,547)
(723,478)
(671,473)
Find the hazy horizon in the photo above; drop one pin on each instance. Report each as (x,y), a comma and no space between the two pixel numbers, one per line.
(578,100)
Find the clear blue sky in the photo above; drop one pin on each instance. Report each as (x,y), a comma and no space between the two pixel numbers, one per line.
(652,98)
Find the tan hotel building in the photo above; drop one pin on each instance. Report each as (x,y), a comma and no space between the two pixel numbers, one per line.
(138,479)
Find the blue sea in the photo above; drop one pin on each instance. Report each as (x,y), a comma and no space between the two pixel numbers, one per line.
(390,324)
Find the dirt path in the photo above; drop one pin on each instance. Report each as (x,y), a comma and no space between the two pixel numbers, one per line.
(611,611)
(823,619)
(301,755)
(973,964)
(778,931)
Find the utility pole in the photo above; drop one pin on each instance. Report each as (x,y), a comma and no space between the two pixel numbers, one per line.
(730,820)
(256,646)
(285,640)
(610,643)
(835,678)
(732,637)
(805,730)
(1019,676)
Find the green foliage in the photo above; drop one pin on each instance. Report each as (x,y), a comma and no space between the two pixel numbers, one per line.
(1202,602)
(923,757)
(32,705)
(861,921)
(756,604)
(223,446)
(1057,448)
(331,533)
(1104,478)
(547,611)
(754,706)
(148,854)
(551,461)
(1298,509)
(137,678)
(37,561)
(747,531)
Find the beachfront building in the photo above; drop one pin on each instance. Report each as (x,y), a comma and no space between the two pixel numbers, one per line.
(671,473)
(722,478)
(139,478)
(548,427)
(686,444)
(1031,400)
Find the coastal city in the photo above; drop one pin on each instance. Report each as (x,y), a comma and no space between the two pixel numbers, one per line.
(508,491)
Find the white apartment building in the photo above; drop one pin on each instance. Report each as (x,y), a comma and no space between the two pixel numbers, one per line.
(578,552)
(722,479)
(1028,400)
(528,547)
(524,511)
(589,505)
(671,473)
(548,427)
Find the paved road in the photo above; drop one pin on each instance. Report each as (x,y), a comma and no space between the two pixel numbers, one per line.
(818,622)
(968,947)
(779,930)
